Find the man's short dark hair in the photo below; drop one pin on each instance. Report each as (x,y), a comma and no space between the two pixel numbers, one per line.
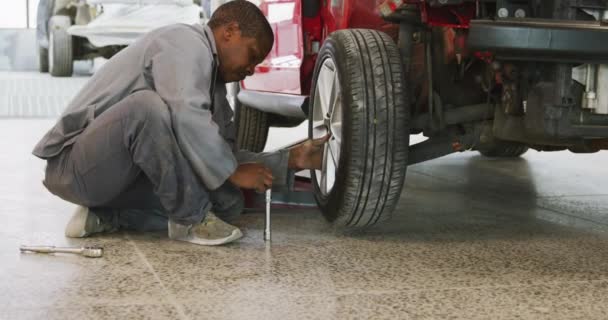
(250,18)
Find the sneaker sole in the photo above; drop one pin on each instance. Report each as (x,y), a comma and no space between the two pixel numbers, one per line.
(236,234)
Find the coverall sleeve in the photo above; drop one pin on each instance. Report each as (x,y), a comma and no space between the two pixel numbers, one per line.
(181,67)
(277,161)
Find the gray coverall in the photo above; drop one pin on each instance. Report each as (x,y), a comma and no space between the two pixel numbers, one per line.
(152,131)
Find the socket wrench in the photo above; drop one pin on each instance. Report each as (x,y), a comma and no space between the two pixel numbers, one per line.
(89,252)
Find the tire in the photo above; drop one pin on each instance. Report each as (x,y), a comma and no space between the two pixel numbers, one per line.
(502,149)
(252,128)
(43,59)
(61,61)
(370,109)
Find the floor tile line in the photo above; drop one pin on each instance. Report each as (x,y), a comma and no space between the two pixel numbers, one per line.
(457,288)
(573,195)
(600,223)
(170,297)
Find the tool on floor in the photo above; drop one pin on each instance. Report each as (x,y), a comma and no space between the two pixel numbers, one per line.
(89,252)
(267,227)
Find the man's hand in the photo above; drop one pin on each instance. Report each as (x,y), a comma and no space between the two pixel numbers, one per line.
(252,176)
(308,154)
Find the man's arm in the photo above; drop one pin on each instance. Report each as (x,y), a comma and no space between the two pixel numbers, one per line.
(305,155)
(276,161)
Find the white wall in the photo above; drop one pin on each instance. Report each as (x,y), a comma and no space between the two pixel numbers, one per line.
(13,13)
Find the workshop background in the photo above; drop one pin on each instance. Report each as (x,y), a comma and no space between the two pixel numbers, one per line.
(471,238)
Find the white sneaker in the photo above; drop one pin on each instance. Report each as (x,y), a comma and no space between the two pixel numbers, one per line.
(212,231)
(83,224)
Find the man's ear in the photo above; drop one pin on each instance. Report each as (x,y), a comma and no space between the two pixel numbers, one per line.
(232,29)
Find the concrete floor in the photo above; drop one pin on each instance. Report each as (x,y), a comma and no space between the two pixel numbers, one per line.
(472,238)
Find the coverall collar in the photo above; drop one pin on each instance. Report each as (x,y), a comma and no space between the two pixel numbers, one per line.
(209,34)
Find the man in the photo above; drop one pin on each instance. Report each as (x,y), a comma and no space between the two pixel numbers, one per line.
(147,143)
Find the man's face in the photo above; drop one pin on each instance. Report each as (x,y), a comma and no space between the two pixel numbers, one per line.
(238,55)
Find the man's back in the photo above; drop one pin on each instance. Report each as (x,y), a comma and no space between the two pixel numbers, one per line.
(127,72)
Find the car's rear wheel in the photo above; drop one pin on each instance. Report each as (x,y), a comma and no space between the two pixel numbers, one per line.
(359,97)
(252,128)
(252,125)
(502,149)
(61,59)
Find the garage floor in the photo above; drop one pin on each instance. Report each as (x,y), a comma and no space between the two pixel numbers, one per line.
(472,238)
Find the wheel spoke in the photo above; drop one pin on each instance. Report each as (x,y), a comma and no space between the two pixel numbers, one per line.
(330,175)
(336,131)
(334,151)
(325,86)
(335,125)
(332,92)
(324,171)
(319,129)
(317,111)
(336,114)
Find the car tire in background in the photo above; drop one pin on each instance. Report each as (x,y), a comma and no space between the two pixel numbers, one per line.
(61,59)
(43,59)
(359,96)
(252,125)
(252,128)
(502,149)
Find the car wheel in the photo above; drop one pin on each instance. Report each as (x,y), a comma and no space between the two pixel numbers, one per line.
(252,130)
(251,124)
(43,59)
(502,149)
(61,61)
(359,97)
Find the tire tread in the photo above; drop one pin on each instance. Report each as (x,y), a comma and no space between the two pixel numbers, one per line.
(62,55)
(252,129)
(379,138)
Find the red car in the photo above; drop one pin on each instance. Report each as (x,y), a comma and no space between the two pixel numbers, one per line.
(497,76)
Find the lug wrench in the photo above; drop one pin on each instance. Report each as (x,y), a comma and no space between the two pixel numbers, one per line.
(267,236)
(89,252)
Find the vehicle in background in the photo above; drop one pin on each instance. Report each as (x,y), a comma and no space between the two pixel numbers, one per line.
(69,30)
(495,76)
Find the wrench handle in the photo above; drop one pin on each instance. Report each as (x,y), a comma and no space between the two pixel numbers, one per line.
(267,236)
(50,249)
(39,249)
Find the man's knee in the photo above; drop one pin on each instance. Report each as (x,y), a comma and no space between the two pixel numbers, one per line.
(58,182)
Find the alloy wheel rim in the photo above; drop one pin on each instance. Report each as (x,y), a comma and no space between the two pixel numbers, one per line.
(327,118)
